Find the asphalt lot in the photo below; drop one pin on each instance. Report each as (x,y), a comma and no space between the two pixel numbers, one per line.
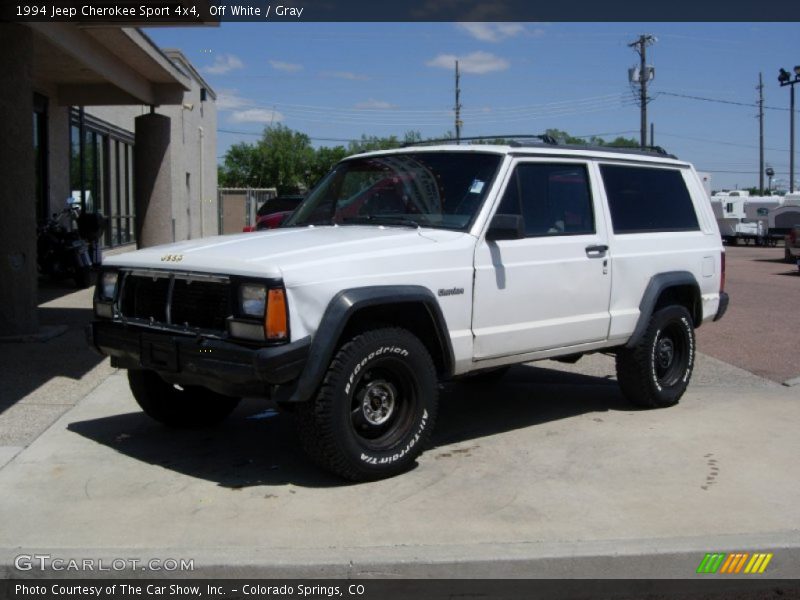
(761,329)
(549,473)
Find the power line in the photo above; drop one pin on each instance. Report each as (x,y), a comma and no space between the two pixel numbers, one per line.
(720,101)
(259,134)
(739,172)
(591,135)
(722,143)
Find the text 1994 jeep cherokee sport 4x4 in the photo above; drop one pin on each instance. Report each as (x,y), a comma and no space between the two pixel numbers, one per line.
(410,266)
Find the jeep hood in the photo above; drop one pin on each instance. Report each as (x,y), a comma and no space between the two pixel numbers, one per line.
(278,252)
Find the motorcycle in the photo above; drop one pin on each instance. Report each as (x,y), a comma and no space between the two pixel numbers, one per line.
(68,245)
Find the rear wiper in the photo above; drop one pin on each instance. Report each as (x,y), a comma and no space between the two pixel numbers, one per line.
(383,220)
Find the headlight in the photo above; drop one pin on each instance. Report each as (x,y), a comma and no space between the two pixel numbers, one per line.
(253,299)
(108,285)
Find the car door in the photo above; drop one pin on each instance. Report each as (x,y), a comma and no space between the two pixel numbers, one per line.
(551,288)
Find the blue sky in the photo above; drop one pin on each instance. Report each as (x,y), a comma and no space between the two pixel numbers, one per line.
(339,80)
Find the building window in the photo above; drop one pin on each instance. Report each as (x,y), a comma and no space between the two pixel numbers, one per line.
(40,152)
(101,174)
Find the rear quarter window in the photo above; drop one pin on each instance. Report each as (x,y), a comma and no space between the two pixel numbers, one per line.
(645,199)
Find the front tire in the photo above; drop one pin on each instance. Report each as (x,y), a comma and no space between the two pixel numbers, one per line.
(188,406)
(656,372)
(374,413)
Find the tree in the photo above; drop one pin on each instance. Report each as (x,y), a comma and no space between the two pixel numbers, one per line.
(287,158)
(324,159)
(623,142)
(241,167)
(368,143)
(282,158)
(562,137)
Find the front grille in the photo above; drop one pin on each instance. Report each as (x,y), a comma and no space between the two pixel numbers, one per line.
(193,304)
(200,304)
(145,298)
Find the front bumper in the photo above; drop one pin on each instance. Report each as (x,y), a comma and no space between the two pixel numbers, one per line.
(223,366)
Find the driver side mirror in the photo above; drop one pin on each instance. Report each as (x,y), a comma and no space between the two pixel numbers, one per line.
(506,227)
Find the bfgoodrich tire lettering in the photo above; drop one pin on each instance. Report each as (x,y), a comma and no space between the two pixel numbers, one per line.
(656,372)
(189,406)
(374,413)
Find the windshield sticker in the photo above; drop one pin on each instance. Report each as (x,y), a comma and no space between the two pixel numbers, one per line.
(476,187)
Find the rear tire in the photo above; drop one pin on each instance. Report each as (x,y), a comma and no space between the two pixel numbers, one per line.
(374,413)
(656,372)
(190,406)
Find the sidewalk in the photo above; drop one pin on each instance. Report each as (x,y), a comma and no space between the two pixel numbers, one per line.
(42,380)
(548,474)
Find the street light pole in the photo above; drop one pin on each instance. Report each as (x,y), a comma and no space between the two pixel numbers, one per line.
(785,78)
(791,137)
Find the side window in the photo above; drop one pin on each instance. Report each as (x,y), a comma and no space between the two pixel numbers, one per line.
(509,205)
(644,199)
(555,199)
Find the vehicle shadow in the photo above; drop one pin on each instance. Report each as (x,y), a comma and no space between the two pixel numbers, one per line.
(774,261)
(258,446)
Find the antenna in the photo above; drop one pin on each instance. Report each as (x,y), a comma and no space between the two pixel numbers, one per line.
(458,123)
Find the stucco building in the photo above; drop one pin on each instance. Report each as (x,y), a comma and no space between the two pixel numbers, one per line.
(100,114)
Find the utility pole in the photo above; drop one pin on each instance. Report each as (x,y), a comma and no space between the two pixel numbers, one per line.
(785,78)
(640,46)
(760,135)
(652,134)
(458,107)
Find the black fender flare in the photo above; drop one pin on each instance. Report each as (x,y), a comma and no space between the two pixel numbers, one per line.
(337,315)
(658,283)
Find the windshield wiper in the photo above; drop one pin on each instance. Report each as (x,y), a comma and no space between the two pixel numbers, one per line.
(383,220)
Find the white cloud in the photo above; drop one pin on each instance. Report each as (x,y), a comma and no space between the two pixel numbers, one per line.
(224,63)
(493,32)
(345,75)
(477,63)
(228,99)
(372,103)
(256,115)
(285,66)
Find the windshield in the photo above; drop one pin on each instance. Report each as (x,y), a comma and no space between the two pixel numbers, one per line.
(427,189)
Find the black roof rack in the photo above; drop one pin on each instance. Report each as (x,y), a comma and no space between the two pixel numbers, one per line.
(648,150)
(512,139)
(548,140)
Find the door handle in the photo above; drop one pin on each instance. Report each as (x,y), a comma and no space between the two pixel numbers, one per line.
(597,251)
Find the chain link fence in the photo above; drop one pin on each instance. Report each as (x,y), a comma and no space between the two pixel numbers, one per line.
(238,207)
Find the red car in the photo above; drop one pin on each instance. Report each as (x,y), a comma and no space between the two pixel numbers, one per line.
(274,212)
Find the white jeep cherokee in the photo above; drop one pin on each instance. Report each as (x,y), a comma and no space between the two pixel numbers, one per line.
(403,268)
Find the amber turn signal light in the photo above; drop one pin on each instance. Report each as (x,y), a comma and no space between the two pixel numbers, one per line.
(276,322)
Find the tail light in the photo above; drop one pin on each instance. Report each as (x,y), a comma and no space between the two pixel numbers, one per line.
(793,236)
(722,273)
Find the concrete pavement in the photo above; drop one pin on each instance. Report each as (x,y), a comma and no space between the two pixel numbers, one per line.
(548,474)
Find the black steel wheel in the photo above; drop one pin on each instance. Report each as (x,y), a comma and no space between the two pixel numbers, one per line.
(656,372)
(376,407)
